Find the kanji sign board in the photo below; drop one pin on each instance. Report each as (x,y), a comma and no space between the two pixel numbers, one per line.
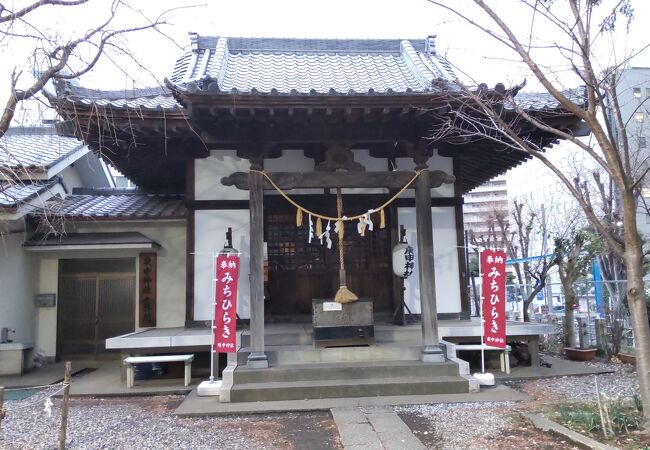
(493,278)
(225,313)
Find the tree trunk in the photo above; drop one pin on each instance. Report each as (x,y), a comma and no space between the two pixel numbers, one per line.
(633,257)
(569,303)
(530,299)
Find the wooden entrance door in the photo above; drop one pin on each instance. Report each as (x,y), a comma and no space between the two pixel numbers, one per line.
(300,271)
(96,301)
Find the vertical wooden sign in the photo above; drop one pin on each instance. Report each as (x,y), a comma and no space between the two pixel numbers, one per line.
(147,289)
(493,271)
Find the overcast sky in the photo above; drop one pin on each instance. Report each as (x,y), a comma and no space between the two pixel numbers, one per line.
(468,49)
(474,56)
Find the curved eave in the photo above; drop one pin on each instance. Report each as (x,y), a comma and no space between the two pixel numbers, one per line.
(83,105)
(253,98)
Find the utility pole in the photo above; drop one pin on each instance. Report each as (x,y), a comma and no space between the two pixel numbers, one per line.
(548,292)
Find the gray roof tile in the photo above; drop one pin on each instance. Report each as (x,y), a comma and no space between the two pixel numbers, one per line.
(545,101)
(310,66)
(157,98)
(35,148)
(119,204)
(14,194)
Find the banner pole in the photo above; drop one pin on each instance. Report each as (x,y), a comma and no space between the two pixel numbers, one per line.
(481,309)
(214,307)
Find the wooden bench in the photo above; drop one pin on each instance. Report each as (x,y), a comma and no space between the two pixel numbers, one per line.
(505,359)
(131,361)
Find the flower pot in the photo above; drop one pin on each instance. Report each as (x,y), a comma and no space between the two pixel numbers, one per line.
(627,358)
(580,354)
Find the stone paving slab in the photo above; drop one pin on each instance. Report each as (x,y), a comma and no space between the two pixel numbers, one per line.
(545,424)
(382,429)
(559,368)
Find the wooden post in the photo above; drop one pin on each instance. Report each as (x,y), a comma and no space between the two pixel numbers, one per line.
(431,351)
(2,399)
(257,358)
(64,406)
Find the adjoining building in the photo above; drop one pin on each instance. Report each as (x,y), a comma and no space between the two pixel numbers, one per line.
(240,121)
(481,208)
(36,165)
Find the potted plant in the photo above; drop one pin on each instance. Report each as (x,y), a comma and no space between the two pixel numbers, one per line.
(627,355)
(580,354)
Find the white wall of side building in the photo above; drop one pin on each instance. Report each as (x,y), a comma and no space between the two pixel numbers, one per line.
(171,273)
(18,278)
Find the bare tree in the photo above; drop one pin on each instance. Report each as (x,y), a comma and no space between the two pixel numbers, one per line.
(576,26)
(532,262)
(54,57)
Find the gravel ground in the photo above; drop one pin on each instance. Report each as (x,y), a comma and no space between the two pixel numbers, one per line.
(499,424)
(149,422)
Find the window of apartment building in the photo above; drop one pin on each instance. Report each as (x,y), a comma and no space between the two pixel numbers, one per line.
(638,116)
(637,92)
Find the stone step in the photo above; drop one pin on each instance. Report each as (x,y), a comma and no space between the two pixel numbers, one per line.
(345,371)
(300,354)
(337,388)
(304,335)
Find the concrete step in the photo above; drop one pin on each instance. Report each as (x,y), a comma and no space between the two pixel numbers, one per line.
(297,390)
(301,354)
(345,371)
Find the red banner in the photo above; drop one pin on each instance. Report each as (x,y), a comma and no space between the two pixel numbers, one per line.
(493,278)
(225,313)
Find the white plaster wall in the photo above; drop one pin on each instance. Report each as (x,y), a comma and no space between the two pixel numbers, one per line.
(372,165)
(18,275)
(436,162)
(209,237)
(71,178)
(445,256)
(291,161)
(209,171)
(48,283)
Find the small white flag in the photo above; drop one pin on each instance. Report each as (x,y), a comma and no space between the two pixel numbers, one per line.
(48,407)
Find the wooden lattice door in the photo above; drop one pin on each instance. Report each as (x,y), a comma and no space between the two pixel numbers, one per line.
(96,301)
(300,271)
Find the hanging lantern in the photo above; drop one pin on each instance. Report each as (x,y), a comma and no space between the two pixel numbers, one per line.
(403,260)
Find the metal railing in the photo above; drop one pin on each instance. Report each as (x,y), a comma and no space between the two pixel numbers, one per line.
(600,313)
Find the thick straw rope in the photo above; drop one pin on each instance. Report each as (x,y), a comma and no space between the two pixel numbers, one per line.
(339,211)
(341,217)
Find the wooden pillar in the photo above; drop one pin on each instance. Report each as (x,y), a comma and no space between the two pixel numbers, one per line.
(431,351)
(461,245)
(257,358)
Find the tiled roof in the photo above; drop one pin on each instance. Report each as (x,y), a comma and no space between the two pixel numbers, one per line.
(14,194)
(119,204)
(157,98)
(311,66)
(544,101)
(35,148)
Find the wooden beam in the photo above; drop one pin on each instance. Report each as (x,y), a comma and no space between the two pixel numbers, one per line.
(309,180)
